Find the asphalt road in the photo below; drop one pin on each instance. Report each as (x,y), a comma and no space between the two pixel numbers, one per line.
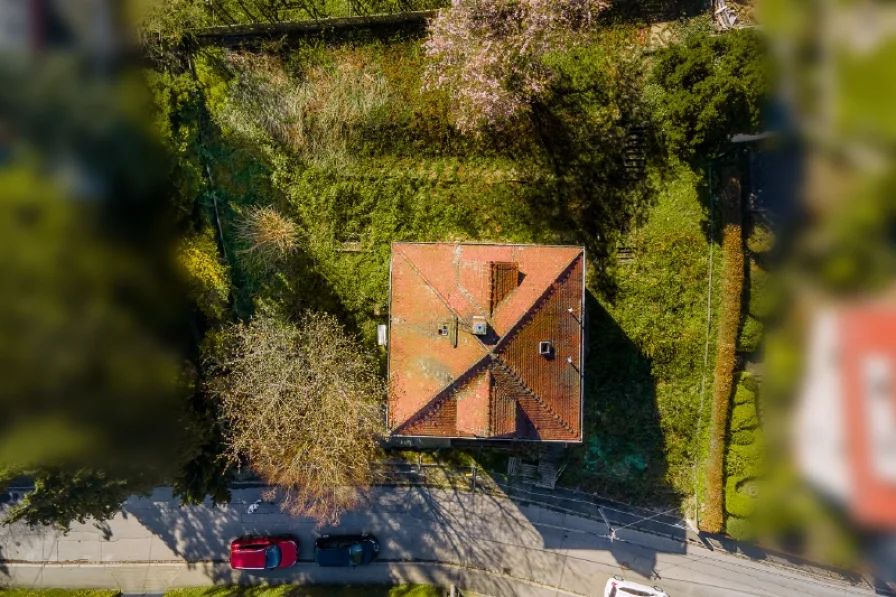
(491,545)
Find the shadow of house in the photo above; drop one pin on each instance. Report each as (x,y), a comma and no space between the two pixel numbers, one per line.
(623,451)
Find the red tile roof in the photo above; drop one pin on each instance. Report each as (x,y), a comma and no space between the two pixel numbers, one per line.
(446,381)
(868,361)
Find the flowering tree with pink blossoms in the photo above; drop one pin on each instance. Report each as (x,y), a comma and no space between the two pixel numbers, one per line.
(488,54)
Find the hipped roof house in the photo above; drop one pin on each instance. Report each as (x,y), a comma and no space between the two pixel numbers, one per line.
(486,341)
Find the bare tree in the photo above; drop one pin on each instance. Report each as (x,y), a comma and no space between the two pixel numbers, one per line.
(303,405)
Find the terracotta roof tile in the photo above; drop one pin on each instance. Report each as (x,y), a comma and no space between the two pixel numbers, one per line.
(497,385)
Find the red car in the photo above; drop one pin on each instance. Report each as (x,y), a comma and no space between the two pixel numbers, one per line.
(263,553)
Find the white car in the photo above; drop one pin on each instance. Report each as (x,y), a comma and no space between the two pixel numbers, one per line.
(619,587)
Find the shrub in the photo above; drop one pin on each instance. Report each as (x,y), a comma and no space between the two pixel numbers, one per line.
(744,417)
(267,234)
(746,381)
(742,438)
(207,277)
(746,460)
(760,240)
(712,88)
(744,396)
(489,54)
(738,503)
(764,297)
(739,528)
(750,335)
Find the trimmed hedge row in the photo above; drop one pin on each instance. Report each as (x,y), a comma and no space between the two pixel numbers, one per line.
(739,528)
(744,459)
(750,335)
(744,417)
(737,503)
(729,320)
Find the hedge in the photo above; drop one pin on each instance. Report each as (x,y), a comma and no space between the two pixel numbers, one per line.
(746,381)
(745,460)
(743,396)
(738,503)
(763,300)
(732,290)
(742,438)
(739,529)
(750,335)
(744,417)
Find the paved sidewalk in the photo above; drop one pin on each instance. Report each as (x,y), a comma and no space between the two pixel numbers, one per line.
(428,535)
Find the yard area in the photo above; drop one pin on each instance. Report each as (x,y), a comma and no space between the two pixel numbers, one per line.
(337,136)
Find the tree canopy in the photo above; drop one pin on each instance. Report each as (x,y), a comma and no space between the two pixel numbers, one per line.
(712,88)
(302,404)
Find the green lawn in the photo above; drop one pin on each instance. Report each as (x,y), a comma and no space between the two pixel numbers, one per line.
(319,591)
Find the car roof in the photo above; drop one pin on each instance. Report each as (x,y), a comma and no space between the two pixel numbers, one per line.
(248,556)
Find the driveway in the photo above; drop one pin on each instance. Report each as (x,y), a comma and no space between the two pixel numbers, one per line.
(492,545)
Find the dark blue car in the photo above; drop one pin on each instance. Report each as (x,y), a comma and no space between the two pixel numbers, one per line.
(345,550)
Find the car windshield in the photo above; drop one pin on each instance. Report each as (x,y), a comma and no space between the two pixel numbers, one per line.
(357,553)
(272,556)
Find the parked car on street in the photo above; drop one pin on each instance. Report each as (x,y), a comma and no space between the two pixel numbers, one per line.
(345,550)
(263,553)
(619,587)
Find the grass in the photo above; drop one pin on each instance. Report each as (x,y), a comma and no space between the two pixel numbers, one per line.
(310,591)
(645,359)
(337,136)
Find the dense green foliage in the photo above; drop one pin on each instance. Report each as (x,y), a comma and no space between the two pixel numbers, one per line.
(744,460)
(207,277)
(750,335)
(713,87)
(63,496)
(739,528)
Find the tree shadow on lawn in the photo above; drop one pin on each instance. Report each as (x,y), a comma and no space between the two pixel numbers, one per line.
(598,186)
(622,453)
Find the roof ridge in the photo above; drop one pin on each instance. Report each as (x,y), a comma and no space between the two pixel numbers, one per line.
(522,384)
(429,284)
(446,393)
(535,307)
(436,290)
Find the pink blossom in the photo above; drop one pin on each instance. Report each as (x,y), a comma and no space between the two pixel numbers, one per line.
(489,54)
